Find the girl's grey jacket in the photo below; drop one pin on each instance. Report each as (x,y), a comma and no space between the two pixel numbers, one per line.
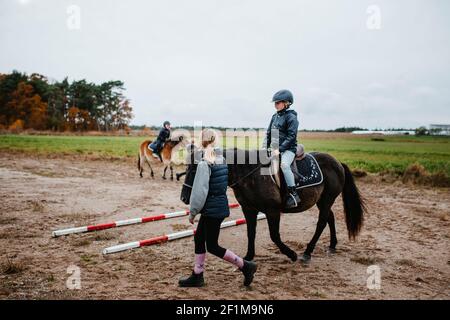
(209,190)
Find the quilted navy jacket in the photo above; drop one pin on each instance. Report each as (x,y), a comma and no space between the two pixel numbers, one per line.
(287,124)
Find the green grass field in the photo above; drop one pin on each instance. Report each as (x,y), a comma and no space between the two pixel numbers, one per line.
(394,153)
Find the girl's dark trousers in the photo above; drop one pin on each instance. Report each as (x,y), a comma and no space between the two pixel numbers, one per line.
(207,235)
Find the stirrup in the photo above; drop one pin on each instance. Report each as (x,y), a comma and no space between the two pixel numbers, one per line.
(293,196)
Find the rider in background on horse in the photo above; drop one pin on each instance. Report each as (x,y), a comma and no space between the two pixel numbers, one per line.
(285,121)
(163,135)
(209,199)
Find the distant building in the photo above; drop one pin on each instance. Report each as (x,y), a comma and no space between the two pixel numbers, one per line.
(386,132)
(440,129)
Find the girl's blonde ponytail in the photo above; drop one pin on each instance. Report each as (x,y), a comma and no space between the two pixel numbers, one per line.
(209,140)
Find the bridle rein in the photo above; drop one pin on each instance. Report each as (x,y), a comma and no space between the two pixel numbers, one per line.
(240,179)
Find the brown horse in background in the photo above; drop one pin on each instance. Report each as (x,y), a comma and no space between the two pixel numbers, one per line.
(146,155)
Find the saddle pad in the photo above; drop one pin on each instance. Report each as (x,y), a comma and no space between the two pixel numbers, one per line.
(309,173)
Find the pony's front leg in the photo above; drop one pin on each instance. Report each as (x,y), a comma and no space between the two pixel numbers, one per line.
(250,217)
(273,219)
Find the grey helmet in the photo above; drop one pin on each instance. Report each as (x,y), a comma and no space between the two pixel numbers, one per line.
(166,123)
(283,95)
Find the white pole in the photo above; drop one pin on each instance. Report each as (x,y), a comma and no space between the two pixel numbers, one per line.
(127,222)
(170,237)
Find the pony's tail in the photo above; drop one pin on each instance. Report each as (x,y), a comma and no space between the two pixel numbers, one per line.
(354,206)
(139,161)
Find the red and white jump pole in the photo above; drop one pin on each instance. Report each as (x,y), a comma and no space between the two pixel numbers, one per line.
(170,237)
(121,223)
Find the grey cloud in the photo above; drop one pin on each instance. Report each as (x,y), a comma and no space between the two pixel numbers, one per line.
(221,61)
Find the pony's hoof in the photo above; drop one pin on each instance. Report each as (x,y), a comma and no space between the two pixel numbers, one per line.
(305,259)
(332,250)
(293,257)
(164,178)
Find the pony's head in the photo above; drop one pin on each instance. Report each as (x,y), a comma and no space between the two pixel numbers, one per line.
(177,140)
(194,155)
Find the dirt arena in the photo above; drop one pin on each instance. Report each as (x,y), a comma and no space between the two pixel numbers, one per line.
(406,233)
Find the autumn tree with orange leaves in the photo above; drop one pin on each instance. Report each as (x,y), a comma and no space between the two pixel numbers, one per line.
(34,102)
(28,107)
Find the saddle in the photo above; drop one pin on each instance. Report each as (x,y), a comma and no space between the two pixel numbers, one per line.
(300,154)
(306,170)
(154,148)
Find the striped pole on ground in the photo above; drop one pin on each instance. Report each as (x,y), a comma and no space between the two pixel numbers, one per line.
(170,237)
(121,223)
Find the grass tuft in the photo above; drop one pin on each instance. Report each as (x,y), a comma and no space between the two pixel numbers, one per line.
(12,267)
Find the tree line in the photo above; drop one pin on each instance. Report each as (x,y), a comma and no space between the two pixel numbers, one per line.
(34,102)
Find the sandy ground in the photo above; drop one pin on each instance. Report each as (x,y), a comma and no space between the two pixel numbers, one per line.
(407,234)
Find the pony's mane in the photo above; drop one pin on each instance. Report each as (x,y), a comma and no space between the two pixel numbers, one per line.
(247,155)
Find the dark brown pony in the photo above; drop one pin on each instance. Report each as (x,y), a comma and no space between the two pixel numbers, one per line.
(146,155)
(259,193)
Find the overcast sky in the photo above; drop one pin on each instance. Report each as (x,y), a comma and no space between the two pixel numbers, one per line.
(220,62)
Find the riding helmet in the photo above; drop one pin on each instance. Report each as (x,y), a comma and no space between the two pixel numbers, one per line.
(283,95)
